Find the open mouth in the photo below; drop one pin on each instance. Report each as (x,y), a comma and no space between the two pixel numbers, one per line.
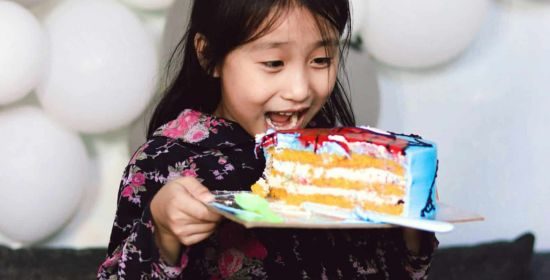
(283,120)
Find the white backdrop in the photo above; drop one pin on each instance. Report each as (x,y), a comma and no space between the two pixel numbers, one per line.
(486,109)
(488,112)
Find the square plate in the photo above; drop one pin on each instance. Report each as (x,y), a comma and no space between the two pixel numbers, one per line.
(297,217)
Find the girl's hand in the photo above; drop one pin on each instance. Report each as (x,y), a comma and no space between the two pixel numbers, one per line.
(180,216)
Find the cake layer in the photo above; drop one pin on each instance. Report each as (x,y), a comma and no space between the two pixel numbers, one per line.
(339,201)
(366,175)
(355,196)
(342,183)
(349,167)
(335,160)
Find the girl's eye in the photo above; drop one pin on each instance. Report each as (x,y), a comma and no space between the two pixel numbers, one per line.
(274,64)
(322,61)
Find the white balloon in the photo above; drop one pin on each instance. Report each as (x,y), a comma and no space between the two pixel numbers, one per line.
(418,34)
(364,91)
(29,3)
(177,21)
(137,134)
(151,5)
(358,11)
(174,27)
(42,174)
(154,24)
(103,68)
(23,52)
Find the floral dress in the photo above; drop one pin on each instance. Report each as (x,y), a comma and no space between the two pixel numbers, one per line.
(221,155)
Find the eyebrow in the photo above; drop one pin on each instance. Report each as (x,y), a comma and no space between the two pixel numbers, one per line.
(277,44)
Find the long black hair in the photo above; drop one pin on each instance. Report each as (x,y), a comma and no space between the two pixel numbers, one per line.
(228,24)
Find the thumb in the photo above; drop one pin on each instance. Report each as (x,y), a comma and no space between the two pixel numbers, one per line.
(196,189)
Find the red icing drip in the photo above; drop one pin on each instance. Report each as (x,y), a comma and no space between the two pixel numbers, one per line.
(317,137)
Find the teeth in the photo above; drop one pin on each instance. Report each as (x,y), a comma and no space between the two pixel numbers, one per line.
(285,113)
(291,125)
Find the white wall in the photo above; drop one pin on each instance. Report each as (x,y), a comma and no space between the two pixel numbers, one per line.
(487,110)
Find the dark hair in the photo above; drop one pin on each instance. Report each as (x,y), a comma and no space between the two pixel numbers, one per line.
(228,24)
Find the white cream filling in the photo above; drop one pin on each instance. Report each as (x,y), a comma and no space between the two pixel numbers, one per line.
(366,175)
(354,195)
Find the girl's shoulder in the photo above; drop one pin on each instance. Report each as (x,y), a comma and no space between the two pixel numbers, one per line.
(192,132)
(194,127)
(217,151)
(203,131)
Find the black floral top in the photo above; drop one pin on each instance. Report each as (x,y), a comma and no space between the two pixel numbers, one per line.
(221,155)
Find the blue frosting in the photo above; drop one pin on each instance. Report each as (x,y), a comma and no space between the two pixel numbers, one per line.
(421,157)
(422,163)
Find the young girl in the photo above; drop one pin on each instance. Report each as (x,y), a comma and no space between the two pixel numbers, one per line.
(248,65)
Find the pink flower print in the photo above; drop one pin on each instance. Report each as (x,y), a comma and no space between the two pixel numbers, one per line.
(138,179)
(219,176)
(173,132)
(196,134)
(222,122)
(189,173)
(184,260)
(174,129)
(109,262)
(180,126)
(230,262)
(190,117)
(128,191)
(157,269)
(229,167)
(255,249)
(138,153)
(173,175)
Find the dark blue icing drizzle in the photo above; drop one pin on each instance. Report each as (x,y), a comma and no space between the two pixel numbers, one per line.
(416,140)
(413,139)
(430,205)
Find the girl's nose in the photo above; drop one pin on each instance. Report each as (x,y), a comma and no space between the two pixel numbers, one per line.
(297,87)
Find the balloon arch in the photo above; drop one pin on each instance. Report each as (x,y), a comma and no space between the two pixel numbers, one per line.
(93,65)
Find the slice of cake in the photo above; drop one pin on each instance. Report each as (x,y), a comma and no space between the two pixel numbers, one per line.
(352,166)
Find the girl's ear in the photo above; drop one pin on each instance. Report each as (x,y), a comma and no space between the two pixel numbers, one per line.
(200,47)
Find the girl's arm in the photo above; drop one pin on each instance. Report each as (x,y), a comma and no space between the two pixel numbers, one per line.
(140,246)
(181,217)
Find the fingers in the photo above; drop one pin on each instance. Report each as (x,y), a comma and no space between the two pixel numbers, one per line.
(194,239)
(184,213)
(194,233)
(188,231)
(195,188)
(191,198)
(197,210)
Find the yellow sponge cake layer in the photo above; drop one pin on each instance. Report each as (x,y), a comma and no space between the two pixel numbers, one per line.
(350,167)
(381,188)
(354,161)
(297,199)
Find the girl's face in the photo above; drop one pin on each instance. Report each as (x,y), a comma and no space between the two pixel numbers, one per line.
(282,79)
